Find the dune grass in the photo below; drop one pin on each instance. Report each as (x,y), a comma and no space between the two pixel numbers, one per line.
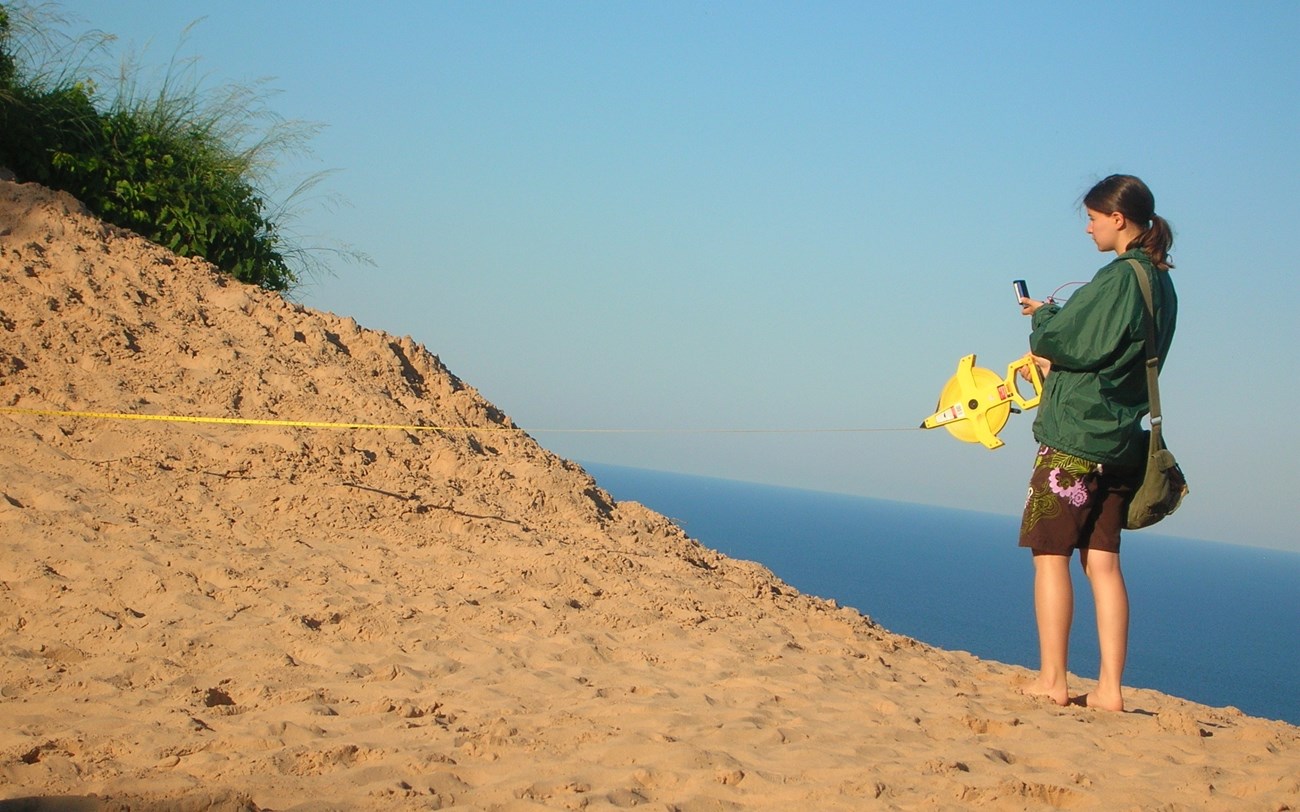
(182,165)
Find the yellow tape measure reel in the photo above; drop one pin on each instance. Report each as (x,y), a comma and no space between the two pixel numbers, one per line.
(975,404)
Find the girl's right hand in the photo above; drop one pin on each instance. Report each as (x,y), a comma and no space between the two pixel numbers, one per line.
(1028,306)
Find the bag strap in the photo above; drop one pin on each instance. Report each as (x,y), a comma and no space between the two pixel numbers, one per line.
(1153,359)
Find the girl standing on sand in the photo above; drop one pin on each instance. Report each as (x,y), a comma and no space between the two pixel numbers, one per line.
(1089,426)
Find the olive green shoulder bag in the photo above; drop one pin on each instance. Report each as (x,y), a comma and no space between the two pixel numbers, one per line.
(1163,484)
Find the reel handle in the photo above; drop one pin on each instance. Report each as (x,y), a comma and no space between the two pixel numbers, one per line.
(1035,380)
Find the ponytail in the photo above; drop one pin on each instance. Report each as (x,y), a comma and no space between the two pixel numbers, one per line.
(1130,197)
(1156,240)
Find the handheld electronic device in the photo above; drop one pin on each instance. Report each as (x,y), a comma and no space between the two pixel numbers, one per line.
(1022,290)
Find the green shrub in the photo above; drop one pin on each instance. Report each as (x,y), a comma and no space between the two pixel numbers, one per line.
(6,61)
(174,189)
(178,166)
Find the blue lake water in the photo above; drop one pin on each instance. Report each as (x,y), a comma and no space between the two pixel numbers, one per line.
(1215,623)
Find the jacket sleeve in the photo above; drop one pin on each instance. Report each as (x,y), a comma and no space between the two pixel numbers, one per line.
(1095,324)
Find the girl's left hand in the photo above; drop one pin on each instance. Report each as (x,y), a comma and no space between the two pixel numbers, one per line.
(1044,367)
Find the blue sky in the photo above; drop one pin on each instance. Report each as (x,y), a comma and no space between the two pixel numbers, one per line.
(748,215)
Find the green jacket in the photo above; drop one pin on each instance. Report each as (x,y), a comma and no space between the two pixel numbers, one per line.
(1095,396)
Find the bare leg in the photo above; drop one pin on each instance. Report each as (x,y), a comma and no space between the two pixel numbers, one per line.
(1111,599)
(1054,609)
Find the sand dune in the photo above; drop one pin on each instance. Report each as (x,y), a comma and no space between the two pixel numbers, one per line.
(200,616)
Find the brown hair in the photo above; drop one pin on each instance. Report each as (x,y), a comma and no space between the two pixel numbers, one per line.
(1130,197)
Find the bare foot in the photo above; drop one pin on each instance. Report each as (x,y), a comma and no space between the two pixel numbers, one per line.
(1100,701)
(1058,694)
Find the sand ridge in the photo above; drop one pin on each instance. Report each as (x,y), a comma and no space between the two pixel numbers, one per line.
(199,616)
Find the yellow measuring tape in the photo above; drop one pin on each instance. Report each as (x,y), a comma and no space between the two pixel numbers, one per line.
(248,421)
(242,421)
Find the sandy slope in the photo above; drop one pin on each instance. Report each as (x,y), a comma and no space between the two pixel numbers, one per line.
(198,616)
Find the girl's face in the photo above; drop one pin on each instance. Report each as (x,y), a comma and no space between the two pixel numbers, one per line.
(1105,229)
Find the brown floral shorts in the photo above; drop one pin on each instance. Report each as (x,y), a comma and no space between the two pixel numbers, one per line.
(1074,503)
